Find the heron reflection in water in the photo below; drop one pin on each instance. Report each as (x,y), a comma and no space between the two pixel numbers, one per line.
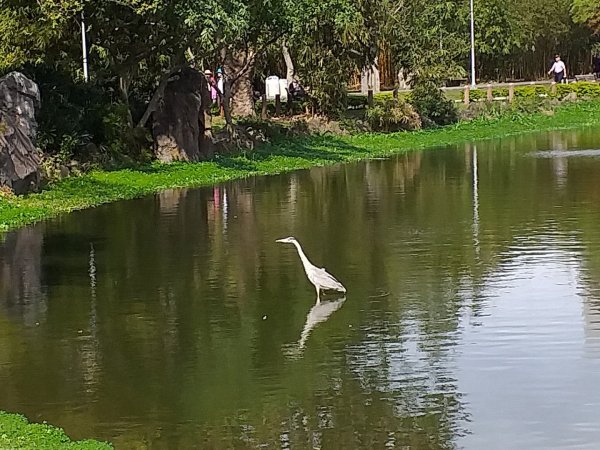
(319,277)
(319,313)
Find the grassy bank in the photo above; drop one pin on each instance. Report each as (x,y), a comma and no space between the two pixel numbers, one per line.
(17,433)
(285,155)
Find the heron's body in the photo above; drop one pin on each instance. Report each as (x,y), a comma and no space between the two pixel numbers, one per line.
(318,276)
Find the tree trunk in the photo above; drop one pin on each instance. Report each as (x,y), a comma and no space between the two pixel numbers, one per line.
(290,74)
(124,82)
(226,103)
(207,137)
(242,104)
(239,72)
(289,64)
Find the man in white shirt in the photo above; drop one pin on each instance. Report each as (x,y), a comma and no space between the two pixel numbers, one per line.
(559,69)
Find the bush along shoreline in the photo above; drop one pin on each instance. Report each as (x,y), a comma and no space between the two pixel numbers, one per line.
(16,432)
(285,152)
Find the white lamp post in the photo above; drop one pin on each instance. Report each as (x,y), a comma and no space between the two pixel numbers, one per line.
(84,49)
(473,82)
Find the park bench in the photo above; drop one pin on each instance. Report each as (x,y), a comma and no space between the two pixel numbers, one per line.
(587,77)
(454,82)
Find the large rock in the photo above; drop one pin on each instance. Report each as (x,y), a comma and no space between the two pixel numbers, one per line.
(19,158)
(181,124)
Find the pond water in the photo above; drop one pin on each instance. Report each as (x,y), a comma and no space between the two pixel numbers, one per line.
(472,318)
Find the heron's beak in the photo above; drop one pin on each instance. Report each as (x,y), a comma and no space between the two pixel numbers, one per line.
(281,240)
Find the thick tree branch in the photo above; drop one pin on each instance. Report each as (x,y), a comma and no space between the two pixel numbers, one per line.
(158,94)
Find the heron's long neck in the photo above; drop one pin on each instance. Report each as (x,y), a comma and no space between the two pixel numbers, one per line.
(305,262)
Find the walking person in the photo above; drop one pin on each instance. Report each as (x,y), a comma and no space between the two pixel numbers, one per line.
(559,69)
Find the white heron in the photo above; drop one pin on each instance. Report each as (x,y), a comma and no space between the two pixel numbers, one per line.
(319,277)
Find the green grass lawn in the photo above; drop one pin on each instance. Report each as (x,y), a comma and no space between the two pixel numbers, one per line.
(283,155)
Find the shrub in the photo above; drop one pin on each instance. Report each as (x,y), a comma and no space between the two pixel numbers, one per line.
(531,91)
(71,113)
(476,94)
(519,111)
(432,105)
(75,117)
(393,115)
(484,110)
(587,90)
(582,89)
(123,143)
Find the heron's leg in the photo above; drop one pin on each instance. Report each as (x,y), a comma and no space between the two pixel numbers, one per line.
(318,294)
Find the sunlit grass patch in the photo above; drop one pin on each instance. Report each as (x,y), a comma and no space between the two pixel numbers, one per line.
(17,433)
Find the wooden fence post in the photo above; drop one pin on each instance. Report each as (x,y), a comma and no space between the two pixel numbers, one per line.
(370,98)
(467,94)
(277,105)
(511,92)
(490,93)
(263,112)
(553,89)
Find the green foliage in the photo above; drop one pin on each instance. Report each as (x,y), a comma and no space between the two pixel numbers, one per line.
(588,12)
(481,93)
(34,31)
(520,92)
(123,143)
(500,92)
(532,91)
(432,105)
(74,115)
(393,115)
(71,114)
(498,31)
(519,111)
(428,37)
(512,36)
(476,94)
(329,41)
(584,90)
(17,432)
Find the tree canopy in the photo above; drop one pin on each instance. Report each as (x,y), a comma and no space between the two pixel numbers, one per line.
(135,44)
(588,12)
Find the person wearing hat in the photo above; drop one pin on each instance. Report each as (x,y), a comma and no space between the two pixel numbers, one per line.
(212,83)
(559,69)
